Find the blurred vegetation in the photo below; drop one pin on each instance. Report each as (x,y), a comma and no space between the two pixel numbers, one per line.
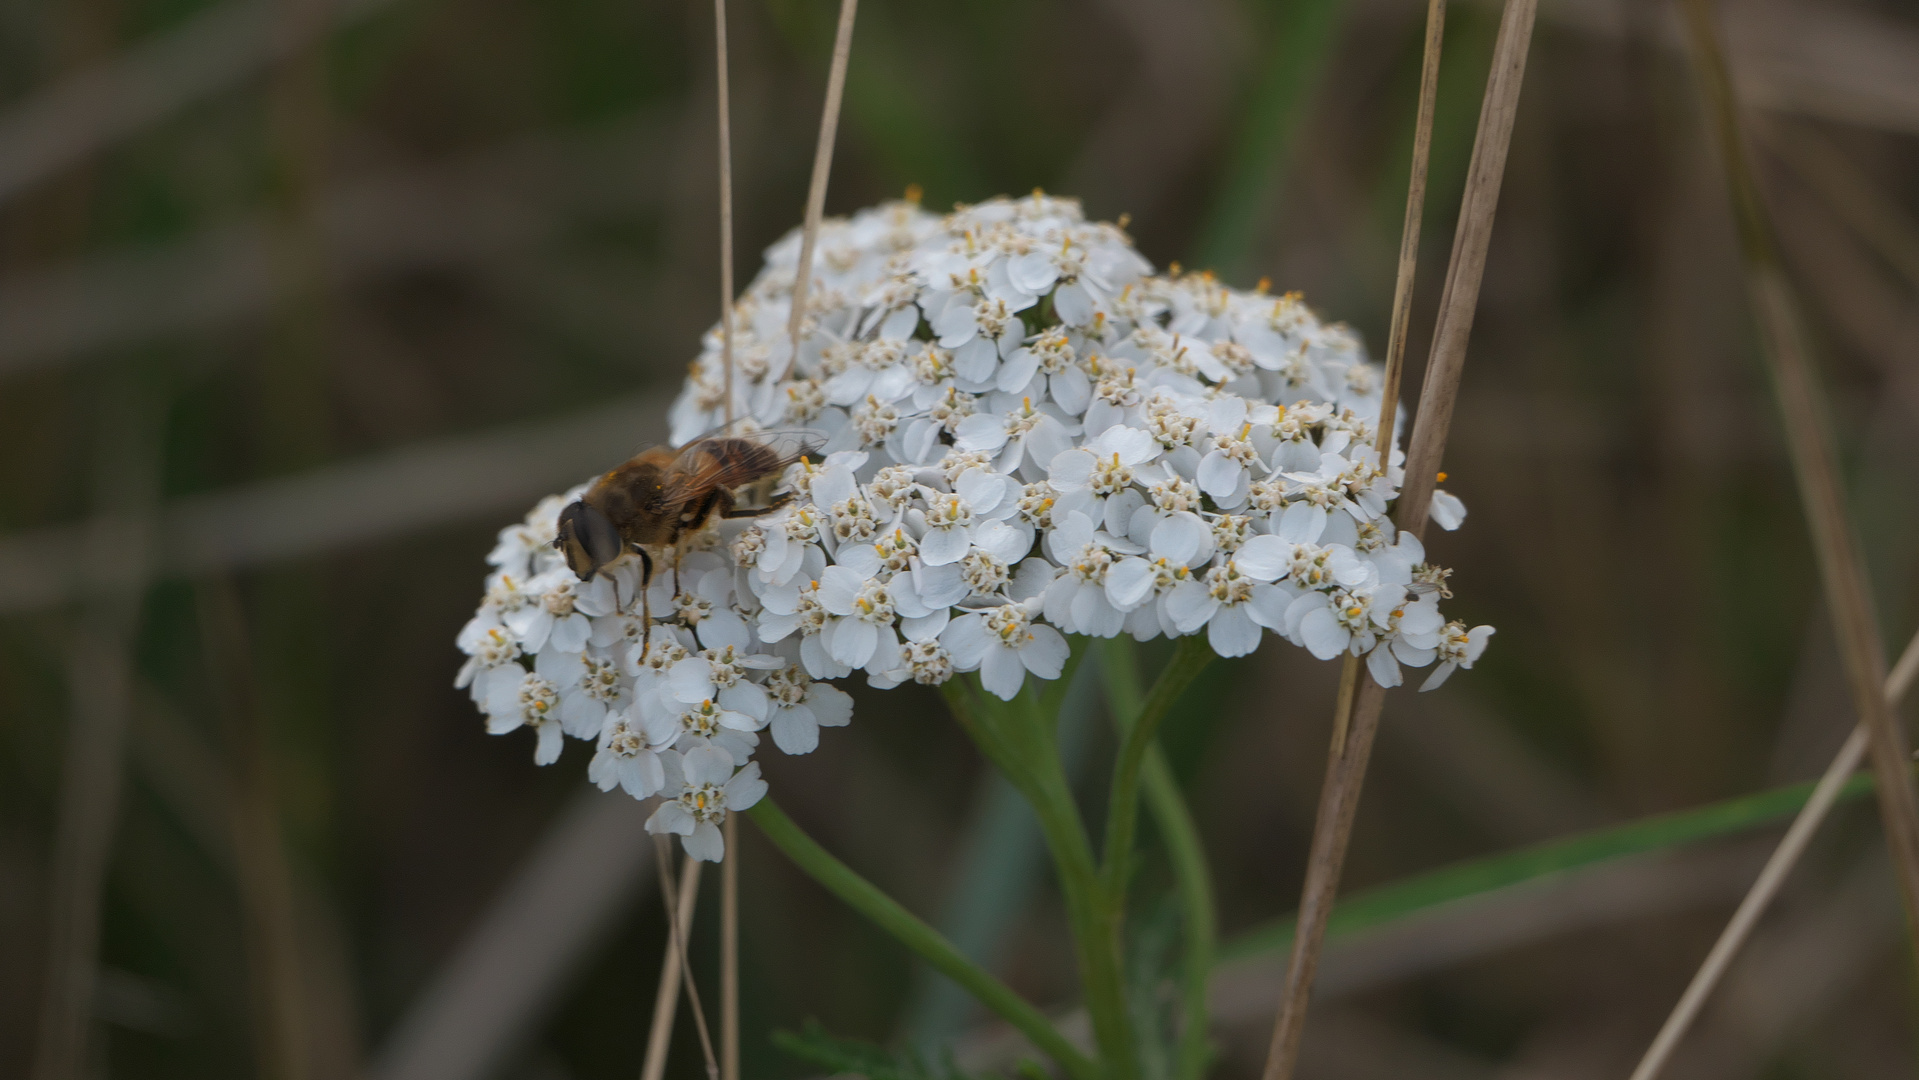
(448,224)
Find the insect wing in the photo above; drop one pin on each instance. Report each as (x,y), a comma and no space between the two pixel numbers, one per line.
(731,462)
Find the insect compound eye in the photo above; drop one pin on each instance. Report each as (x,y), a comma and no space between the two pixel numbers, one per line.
(588,539)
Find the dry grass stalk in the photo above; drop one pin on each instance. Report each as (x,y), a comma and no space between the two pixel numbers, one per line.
(1352,744)
(1882,223)
(729,876)
(730,952)
(726,204)
(676,939)
(822,166)
(265,880)
(1783,859)
(666,997)
(1410,228)
(119,548)
(1809,444)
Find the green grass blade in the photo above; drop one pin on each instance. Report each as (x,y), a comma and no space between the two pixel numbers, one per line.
(1304,34)
(1460,881)
(887,914)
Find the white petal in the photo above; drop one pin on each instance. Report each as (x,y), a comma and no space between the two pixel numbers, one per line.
(1476,640)
(852,642)
(1071,390)
(860,560)
(1232,632)
(975,360)
(690,680)
(1004,542)
(725,627)
(795,731)
(1266,558)
(943,545)
(831,706)
(1447,511)
(1322,634)
(1129,583)
(1439,676)
(1384,669)
(547,750)
(705,843)
(1071,470)
(1301,523)
(926,627)
(1268,606)
(1045,655)
(980,431)
(1072,305)
(966,638)
(642,776)
(1218,474)
(1189,605)
(706,765)
(1018,370)
(1001,672)
(939,586)
(1178,537)
(670,818)
(900,324)
(839,587)
(747,699)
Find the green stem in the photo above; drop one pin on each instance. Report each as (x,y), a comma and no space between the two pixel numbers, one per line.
(888,915)
(1019,740)
(1190,657)
(1190,872)
(1195,882)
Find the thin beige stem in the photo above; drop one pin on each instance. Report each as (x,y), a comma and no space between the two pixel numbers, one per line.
(1352,746)
(1784,858)
(118,548)
(666,998)
(730,952)
(1809,444)
(678,939)
(1885,226)
(1410,229)
(726,205)
(822,166)
(1460,301)
(270,922)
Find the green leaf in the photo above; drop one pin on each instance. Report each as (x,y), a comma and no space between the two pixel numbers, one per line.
(1376,907)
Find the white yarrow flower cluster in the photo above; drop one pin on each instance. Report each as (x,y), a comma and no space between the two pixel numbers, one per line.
(1025,434)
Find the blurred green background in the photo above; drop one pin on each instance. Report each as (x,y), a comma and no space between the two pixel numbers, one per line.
(301,301)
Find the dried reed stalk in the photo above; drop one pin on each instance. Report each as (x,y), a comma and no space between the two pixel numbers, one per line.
(119,546)
(666,997)
(1783,859)
(677,938)
(1409,230)
(822,166)
(730,874)
(730,952)
(270,920)
(726,204)
(1810,446)
(1357,719)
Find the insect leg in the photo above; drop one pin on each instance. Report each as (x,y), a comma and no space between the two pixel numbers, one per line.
(646,610)
(752,512)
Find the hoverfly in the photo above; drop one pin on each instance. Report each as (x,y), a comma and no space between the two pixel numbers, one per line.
(661,496)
